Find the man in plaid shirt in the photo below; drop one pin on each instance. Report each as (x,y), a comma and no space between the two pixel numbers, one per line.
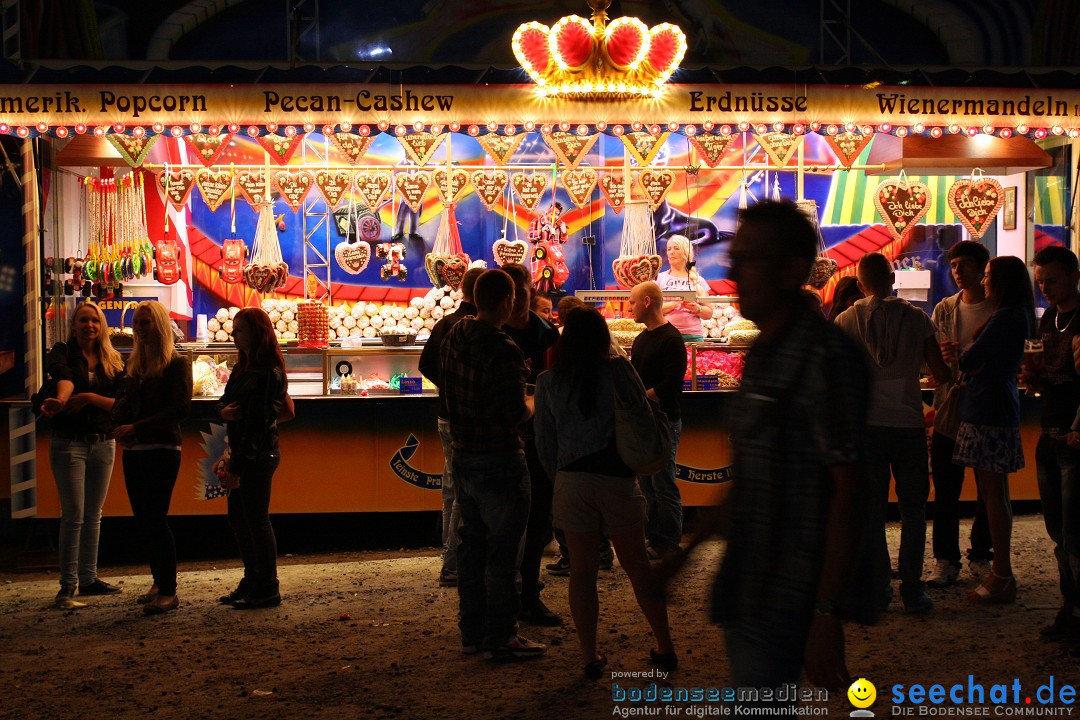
(793,517)
(482,378)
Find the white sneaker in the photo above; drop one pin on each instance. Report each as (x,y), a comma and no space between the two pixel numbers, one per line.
(944,575)
(979,569)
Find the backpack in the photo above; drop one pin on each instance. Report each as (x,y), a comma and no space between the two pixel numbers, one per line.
(642,432)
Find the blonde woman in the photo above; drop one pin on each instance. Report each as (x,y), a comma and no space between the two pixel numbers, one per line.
(156,397)
(88,373)
(686,316)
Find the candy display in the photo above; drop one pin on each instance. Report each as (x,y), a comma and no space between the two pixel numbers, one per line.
(312,324)
(208,377)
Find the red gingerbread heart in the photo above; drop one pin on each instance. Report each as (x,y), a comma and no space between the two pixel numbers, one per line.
(450,270)
(901,205)
(977,203)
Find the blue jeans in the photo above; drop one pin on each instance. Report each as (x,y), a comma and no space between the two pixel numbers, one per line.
(451,516)
(1058,468)
(493,498)
(663,528)
(82,471)
(898,453)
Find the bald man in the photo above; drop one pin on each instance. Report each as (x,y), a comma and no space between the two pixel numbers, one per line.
(659,356)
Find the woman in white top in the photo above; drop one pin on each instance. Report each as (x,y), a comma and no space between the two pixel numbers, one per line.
(686,316)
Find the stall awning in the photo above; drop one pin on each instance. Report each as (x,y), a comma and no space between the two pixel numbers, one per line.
(955,155)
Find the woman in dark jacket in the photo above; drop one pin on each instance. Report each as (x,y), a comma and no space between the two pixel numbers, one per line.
(87,372)
(156,397)
(989,436)
(255,399)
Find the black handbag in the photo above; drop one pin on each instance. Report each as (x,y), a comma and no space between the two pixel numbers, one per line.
(47,390)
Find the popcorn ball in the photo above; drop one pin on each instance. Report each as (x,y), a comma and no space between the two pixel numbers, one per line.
(437,313)
(416,302)
(349,322)
(356,332)
(342,331)
(274,316)
(369,332)
(371,310)
(221,336)
(227,326)
(288,315)
(213,325)
(397,313)
(416,323)
(335,322)
(363,321)
(294,326)
(446,303)
(376,321)
(281,326)
(384,311)
(222,315)
(232,311)
(411,312)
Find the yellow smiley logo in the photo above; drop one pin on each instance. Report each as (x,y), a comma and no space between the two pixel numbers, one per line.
(862,693)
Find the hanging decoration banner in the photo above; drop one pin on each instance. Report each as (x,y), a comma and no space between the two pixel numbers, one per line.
(177,185)
(208,148)
(293,185)
(570,148)
(252,185)
(501,147)
(614,189)
(413,187)
(133,149)
(279,147)
(901,204)
(421,146)
(644,146)
(450,189)
(579,185)
(490,186)
(529,188)
(353,147)
(711,147)
(333,185)
(847,146)
(781,147)
(293,104)
(373,187)
(976,202)
(214,186)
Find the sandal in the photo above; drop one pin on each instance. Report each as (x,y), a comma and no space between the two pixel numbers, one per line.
(595,669)
(995,590)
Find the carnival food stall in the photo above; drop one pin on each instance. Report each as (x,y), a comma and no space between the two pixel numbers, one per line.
(350,211)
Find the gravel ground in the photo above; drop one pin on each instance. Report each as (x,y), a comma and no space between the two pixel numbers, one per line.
(364,635)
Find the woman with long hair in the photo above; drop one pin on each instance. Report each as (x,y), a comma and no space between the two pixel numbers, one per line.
(844,296)
(156,397)
(596,494)
(687,315)
(88,373)
(255,400)
(989,436)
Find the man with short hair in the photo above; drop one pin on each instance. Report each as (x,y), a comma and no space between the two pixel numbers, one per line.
(956,318)
(899,339)
(429,368)
(483,380)
(534,336)
(793,518)
(542,306)
(659,356)
(1057,455)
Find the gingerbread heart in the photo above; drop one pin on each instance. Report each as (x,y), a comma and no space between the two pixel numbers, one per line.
(579,185)
(177,185)
(352,257)
(902,204)
(333,185)
(353,147)
(490,186)
(214,186)
(611,184)
(451,270)
(501,147)
(294,186)
(570,148)
(373,187)
(977,203)
(508,253)
(413,187)
(281,273)
(529,188)
(421,146)
(656,184)
(450,190)
(252,186)
(259,277)
(636,270)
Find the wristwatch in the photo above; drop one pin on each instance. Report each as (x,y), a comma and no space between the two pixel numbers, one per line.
(824,606)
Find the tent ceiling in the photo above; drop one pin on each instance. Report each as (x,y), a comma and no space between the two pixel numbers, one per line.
(955,155)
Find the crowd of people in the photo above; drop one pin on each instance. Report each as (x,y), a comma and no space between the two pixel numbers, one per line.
(829,412)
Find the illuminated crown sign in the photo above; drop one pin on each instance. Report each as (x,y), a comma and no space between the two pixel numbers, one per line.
(598,59)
